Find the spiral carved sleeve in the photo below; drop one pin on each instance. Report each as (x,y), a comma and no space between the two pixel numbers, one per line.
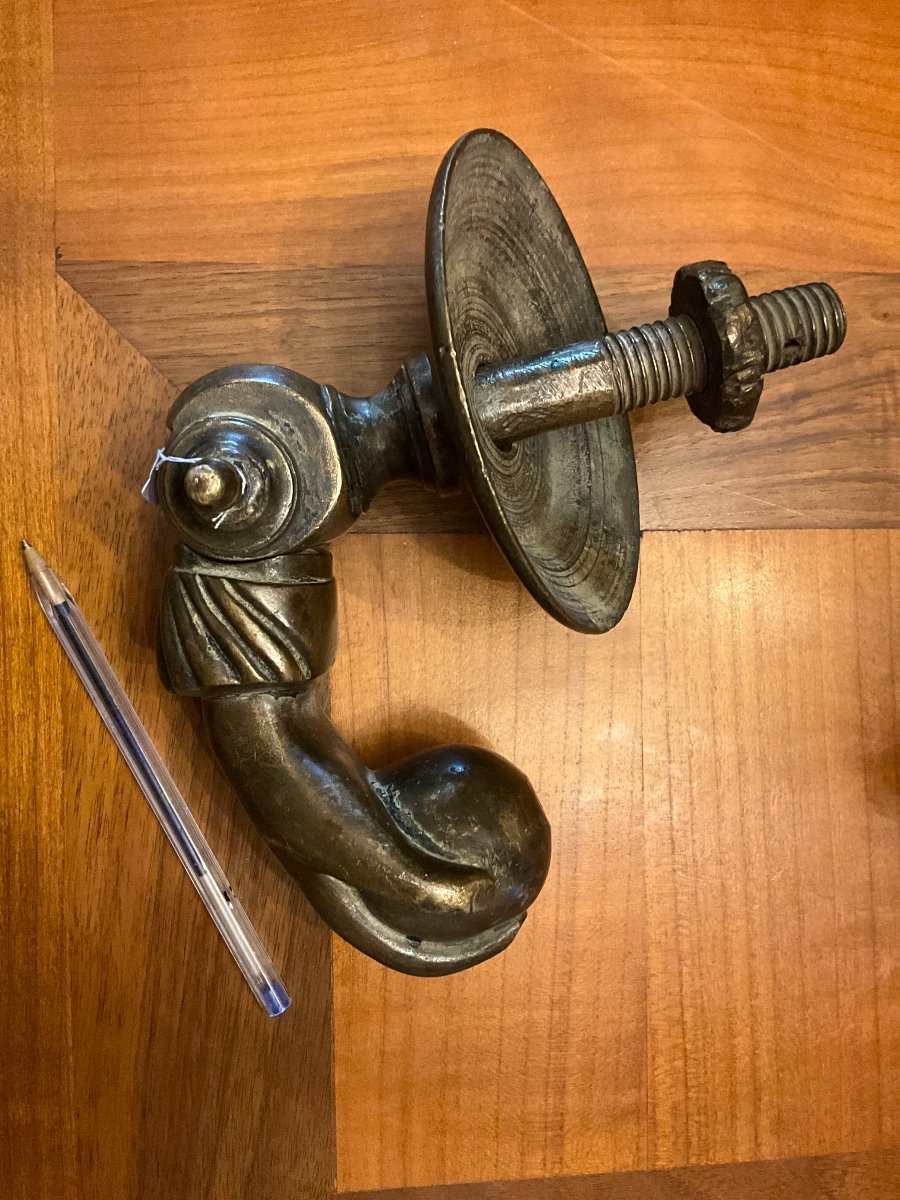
(267,624)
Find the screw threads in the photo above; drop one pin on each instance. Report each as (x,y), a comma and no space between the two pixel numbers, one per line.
(800,323)
(655,362)
(666,359)
(634,368)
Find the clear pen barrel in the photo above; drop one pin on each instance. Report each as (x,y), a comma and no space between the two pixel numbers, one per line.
(166,800)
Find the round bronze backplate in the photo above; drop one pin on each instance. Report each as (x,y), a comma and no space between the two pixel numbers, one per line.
(506,279)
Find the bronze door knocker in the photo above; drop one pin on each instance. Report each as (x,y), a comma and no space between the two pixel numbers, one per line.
(430,865)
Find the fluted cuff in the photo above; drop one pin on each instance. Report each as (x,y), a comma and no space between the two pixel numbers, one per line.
(266,625)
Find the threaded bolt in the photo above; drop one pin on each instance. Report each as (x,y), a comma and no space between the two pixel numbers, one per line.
(799,324)
(655,362)
(637,367)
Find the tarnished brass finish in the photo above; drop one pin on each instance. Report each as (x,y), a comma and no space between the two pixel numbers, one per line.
(714,348)
(506,279)
(430,865)
(268,461)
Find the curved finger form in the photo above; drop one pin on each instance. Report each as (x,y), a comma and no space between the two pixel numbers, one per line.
(429,865)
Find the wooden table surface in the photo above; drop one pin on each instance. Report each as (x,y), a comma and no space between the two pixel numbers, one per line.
(711,979)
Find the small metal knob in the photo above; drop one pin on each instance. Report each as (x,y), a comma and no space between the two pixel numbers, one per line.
(212,485)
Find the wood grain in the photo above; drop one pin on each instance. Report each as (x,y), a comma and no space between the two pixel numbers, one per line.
(711,973)
(873,1176)
(36,1137)
(815,85)
(182,1088)
(505,1070)
(309,133)
(824,449)
(771,765)
(758,673)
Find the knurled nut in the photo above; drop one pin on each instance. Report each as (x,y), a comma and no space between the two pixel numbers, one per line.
(732,337)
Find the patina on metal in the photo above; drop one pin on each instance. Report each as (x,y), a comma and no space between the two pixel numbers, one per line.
(431,865)
(720,373)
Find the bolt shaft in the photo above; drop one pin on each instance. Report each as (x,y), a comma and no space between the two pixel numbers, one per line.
(645,365)
(799,324)
(656,362)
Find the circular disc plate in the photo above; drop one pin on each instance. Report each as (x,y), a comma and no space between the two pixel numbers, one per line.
(506,279)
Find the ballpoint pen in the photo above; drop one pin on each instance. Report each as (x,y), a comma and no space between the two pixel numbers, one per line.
(133,741)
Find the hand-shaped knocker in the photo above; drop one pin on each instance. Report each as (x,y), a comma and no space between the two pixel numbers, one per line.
(430,865)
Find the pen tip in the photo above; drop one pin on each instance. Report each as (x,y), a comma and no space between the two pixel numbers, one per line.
(41,576)
(33,561)
(43,580)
